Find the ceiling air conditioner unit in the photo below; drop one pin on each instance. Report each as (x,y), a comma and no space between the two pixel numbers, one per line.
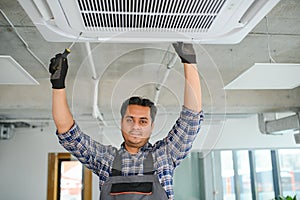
(204,21)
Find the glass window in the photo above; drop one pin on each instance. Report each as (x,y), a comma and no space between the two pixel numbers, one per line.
(227,175)
(264,176)
(236,174)
(244,175)
(71,173)
(289,162)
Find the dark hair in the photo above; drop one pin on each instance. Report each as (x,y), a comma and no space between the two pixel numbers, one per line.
(135,100)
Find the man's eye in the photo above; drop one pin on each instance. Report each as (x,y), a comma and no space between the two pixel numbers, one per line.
(129,120)
(143,122)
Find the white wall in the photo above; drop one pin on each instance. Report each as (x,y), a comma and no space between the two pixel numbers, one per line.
(23,159)
(240,133)
(23,164)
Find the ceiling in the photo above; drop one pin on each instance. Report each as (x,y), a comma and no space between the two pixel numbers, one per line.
(125,69)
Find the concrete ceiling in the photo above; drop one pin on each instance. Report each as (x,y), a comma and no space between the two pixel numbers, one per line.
(127,69)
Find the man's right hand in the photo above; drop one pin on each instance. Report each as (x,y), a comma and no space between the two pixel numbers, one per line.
(58,68)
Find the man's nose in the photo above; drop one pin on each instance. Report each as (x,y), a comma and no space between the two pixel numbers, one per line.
(136,125)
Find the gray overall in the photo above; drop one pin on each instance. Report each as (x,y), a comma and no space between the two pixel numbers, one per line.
(135,187)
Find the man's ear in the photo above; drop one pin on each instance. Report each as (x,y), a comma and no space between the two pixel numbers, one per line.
(152,126)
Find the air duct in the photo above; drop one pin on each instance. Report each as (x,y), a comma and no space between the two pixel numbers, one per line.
(268,124)
(297,137)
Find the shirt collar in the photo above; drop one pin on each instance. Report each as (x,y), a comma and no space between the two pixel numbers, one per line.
(146,147)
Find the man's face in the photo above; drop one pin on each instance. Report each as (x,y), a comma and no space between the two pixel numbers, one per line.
(136,126)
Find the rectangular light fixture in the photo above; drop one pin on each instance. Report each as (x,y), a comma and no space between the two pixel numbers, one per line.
(12,73)
(264,76)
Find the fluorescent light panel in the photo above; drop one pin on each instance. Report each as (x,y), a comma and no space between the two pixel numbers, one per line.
(264,76)
(12,73)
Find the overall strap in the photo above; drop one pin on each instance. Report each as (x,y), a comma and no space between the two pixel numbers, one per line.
(148,165)
(117,165)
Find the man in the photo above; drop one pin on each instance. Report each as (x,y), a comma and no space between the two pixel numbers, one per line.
(138,170)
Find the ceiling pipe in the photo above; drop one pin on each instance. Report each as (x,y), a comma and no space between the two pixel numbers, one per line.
(158,87)
(96,111)
(91,60)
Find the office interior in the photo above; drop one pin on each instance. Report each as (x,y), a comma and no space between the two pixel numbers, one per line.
(249,143)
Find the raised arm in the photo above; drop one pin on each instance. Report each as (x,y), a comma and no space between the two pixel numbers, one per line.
(192,88)
(60,110)
(180,138)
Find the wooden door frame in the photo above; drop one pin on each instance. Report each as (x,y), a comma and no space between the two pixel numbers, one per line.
(53,163)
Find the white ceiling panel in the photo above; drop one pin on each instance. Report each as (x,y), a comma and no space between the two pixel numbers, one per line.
(12,73)
(264,76)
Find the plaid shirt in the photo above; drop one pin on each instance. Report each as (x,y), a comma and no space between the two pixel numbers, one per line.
(167,153)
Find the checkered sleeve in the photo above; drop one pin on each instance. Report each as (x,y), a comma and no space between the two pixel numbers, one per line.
(91,153)
(181,137)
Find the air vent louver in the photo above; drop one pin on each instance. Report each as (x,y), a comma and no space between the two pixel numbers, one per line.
(149,15)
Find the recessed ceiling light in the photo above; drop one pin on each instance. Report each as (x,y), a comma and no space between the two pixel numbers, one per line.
(264,76)
(12,73)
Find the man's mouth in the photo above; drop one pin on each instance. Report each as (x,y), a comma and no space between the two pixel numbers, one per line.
(135,134)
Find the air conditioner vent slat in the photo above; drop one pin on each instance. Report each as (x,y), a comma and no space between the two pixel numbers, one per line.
(149,15)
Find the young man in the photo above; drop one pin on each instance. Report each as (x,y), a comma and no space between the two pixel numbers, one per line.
(137,170)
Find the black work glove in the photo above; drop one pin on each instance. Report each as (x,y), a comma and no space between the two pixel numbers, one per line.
(58,68)
(186,52)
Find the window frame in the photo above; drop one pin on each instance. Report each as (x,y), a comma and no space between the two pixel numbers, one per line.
(53,169)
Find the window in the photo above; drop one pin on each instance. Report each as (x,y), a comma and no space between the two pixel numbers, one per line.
(244,179)
(227,175)
(236,175)
(289,161)
(264,176)
(68,179)
(260,174)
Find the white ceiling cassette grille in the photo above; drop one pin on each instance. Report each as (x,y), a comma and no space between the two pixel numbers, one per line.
(149,15)
(204,21)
